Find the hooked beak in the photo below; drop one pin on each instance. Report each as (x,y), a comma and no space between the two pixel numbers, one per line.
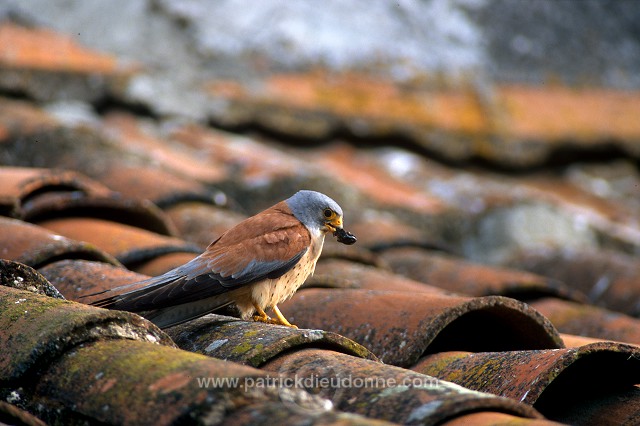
(334,224)
(343,236)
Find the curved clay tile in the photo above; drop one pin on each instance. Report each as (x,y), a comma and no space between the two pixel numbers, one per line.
(473,279)
(492,418)
(77,278)
(342,273)
(130,245)
(152,183)
(589,320)
(19,185)
(399,327)
(386,392)
(34,195)
(71,362)
(139,213)
(35,330)
(36,246)
(199,222)
(12,415)
(589,384)
(129,382)
(272,413)
(609,278)
(22,277)
(255,343)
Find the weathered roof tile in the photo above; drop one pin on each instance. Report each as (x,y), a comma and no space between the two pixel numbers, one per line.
(181,184)
(399,327)
(473,279)
(342,273)
(560,383)
(509,127)
(609,278)
(37,329)
(589,321)
(76,278)
(36,246)
(254,343)
(401,396)
(49,65)
(135,383)
(130,245)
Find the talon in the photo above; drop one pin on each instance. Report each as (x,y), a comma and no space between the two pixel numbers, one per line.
(259,318)
(261,315)
(281,319)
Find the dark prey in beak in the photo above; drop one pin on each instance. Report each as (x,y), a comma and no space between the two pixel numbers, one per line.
(345,237)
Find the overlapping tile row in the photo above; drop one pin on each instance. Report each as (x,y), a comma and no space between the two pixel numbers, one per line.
(71,274)
(86,355)
(510,126)
(47,65)
(590,384)
(69,362)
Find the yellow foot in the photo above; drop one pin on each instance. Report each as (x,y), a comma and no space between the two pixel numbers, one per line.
(282,320)
(261,316)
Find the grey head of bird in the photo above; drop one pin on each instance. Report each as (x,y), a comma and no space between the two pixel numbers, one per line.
(316,211)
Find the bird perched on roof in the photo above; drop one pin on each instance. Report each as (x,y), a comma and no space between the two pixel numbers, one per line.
(255,265)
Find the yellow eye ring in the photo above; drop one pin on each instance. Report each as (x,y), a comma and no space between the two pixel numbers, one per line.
(328,213)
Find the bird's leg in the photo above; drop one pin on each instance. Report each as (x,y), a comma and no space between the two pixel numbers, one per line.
(280,319)
(261,315)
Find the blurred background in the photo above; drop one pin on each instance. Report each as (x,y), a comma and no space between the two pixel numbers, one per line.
(520,117)
(580,43)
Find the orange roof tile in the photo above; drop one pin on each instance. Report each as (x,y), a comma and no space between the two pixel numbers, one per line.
(39,48)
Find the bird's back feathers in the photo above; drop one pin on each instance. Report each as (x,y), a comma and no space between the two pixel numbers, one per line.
(264,246)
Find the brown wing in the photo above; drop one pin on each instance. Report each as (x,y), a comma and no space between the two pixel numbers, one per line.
(274,235)
(263,246)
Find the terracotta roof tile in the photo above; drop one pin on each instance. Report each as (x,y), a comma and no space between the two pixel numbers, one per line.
(390,387)
(560,383)
(36,246)
(246,160)
(176,159)
(473,279)
(22,277)
(22,119)
(143,182)
(132,382)
(254,343)
(342,273)
(589,320)
(573,341)
(70,277)
(19,185)
(24,47)
(201,223)
(47,65)
(130,245)
(379,186)
(41,328)
(69,361)
(458,123)
(399,327)
(609,278)
(12,415)
(491,418)
(267,414)
(141,214)
(396,294)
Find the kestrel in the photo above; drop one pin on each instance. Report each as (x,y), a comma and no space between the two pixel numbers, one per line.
(255,265)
